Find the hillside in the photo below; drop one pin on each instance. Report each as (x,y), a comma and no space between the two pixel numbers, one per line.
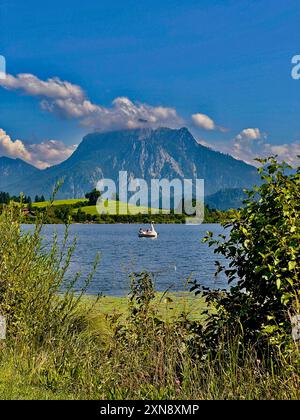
(15,172)
(230,198)
(143,153)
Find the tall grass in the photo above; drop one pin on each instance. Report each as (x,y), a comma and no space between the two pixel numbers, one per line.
(56,346)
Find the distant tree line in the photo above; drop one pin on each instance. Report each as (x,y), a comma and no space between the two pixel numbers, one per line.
(39,199)
(65,213)
(5,198)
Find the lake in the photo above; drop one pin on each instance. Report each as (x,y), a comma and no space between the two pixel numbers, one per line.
(177,254)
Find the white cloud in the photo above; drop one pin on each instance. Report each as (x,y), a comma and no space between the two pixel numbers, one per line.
(203,121)
(51,88)
(249,134)
(40,155)
(50,152)
(247,143)
(251,143)
(288,152)
(70,101)
(206,123)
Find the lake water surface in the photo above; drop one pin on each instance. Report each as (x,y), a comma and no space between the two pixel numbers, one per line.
(177,254)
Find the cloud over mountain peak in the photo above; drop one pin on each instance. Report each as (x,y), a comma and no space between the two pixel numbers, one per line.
(70,101)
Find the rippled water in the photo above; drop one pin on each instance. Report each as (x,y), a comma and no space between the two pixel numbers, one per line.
(177,254)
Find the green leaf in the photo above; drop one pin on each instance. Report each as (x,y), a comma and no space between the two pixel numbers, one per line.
(247,242)
(292,265)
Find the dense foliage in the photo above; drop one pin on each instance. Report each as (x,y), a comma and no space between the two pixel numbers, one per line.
(263,251)
(39,199)
(5,198)
(93,197)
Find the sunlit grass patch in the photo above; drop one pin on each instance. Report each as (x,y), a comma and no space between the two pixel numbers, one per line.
(117,207)
(169,307)
(43,204)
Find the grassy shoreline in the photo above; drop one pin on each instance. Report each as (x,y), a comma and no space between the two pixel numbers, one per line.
(168,305)
(223,378)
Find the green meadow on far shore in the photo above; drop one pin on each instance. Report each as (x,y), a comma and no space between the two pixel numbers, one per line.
(80,211)
(43,204)
(110,206)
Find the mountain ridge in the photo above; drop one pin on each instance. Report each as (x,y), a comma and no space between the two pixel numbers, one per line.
(13,171)
(144,153)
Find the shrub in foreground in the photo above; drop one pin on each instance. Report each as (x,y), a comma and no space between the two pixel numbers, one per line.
(262,247)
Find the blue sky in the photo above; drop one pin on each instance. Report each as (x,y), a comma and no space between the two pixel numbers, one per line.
(222,68)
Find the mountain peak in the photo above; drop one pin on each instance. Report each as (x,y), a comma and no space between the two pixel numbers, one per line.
(144,153)
(139,131)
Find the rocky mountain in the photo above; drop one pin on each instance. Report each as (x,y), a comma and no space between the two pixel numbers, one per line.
(143,153)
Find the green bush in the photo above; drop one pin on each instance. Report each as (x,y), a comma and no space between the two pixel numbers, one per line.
(262,246)
(47,327)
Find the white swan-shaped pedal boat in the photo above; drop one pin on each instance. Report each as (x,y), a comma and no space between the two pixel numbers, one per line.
(148,233)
